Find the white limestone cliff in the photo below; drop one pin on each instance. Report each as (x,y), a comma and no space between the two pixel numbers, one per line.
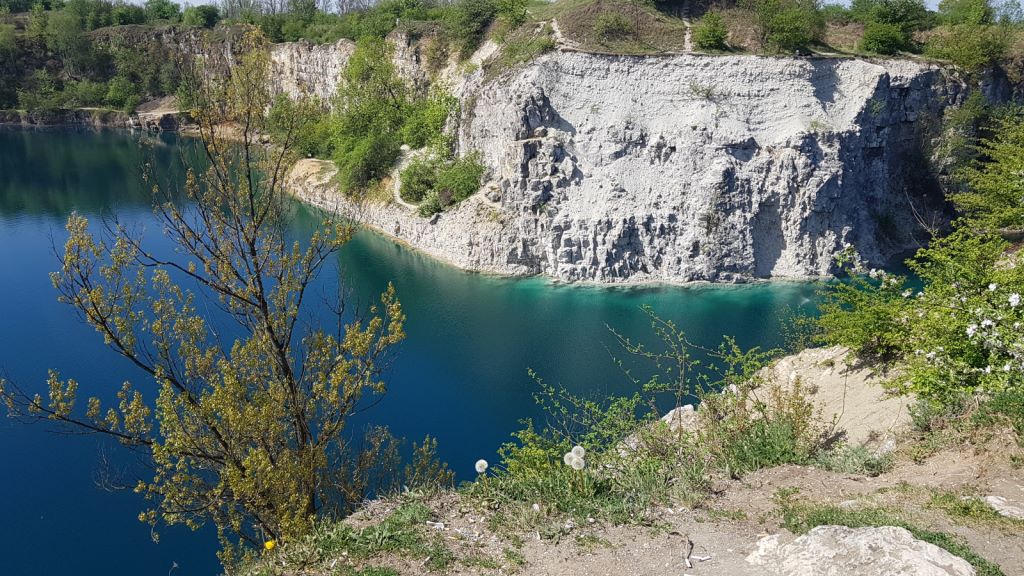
(671,169)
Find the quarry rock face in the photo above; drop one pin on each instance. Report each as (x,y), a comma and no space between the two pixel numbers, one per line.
(671,169)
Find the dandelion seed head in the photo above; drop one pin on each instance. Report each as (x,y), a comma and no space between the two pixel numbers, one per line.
(481,466)
(578,451)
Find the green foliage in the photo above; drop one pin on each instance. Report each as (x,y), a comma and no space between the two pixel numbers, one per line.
(402,532)
(837,14)
(373,102)
(613,26)
(710,33)
(205,16)
(1006,408)
(418,179)
(513,12)
(465,22)
(995,189)
(958,333)
(787,25)
(628,460)
(162,10)
(849,459)
(955,336)
(459,179)
(970,46)
(424,123)
(439,182)
(908,15)
(883,38)
(972,12)
(521,46)
(122,93)
(749,429)
(800,517)
(8,42)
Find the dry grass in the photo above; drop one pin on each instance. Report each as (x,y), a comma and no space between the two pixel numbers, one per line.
(650,31)
(844,37)
(742,27)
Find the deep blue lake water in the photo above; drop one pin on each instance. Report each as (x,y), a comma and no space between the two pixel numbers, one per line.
(461,375)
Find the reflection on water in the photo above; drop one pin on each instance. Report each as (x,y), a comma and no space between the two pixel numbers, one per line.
(461,375)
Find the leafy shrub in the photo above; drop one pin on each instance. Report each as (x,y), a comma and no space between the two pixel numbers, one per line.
(424,124)
(512,11)
(1005,407)
(465,22)
(162,10)
(631,460)
(787,25)
(460,179)
(418,179)
(855,460)
(992,199)
(837,14)
(122,93)
(969,46)
(744,432)
(84,93)
(882,38)
(205,16)
(976,12)
(451,183)
(8,43)
(956,336)
(613,26)
(710,33)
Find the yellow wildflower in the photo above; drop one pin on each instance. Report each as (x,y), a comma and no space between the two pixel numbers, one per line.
(269,545)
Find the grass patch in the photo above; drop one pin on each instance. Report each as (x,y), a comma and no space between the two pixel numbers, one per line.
(848,459)
(970,509)
(800,517)
(521,46)
(401,533)
(616,26)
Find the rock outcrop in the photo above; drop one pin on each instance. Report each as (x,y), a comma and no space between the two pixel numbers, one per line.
(672,169)
(842,551)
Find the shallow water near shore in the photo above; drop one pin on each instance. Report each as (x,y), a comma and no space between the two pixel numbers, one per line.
(461,375)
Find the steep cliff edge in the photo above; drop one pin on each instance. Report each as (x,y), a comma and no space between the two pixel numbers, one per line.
(678,168)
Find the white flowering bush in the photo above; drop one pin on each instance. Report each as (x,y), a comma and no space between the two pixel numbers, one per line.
(955,330)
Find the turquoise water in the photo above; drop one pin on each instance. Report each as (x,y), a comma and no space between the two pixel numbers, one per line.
(461,375)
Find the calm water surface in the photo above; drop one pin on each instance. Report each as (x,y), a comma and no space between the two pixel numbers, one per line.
(461,375)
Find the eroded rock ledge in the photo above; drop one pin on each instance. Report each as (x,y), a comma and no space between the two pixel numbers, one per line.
(671,169)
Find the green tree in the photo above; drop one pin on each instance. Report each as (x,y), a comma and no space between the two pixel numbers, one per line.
(975,12)
(248,432)
(8,42)
(157,10)
(994,198)
(37,21)
(787,25)
(374,102)
(465,22)
(204,15)
(710,33)
(883,38)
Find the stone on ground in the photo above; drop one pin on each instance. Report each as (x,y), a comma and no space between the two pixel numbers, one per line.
(842,551)
(1005,507)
